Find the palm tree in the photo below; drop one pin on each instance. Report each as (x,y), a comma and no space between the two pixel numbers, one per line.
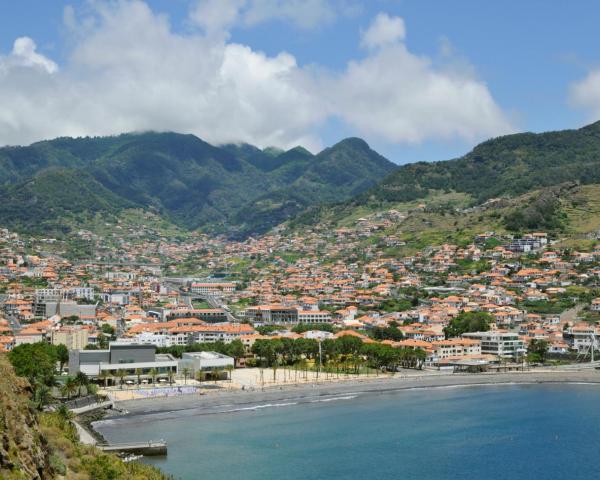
(138,372)
(170,375)
(185,371)
(42,396)
(105,375)
(153,374)
(64,414)
(82,381)
(229,369)
(121,374)
(69,387)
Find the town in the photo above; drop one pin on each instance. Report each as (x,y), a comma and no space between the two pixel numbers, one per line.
(148,312)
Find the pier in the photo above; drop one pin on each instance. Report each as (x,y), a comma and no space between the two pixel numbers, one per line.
(148,449)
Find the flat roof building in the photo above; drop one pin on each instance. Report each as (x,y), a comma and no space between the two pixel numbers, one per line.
(132,358)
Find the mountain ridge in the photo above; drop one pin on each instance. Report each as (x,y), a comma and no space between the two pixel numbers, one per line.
(191,182)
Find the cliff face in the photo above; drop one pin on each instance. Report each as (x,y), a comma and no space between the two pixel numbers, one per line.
(44,446)
(24,453)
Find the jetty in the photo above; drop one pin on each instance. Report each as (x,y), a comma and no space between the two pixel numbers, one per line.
(148,449)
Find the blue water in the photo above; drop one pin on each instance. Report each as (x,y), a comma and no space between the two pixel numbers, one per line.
(492,432)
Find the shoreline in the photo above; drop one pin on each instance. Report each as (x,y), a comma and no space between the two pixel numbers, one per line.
(229,401)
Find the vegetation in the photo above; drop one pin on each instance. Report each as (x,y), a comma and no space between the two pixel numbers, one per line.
(537,351)
(347,353)
(45,446)
(561,169)
(468,322)
(190,182)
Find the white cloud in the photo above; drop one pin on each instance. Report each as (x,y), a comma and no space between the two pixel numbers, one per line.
(24,55)
(384,30)
(303,13)
(216,16)
(129,71)
(585,94)
(404,98)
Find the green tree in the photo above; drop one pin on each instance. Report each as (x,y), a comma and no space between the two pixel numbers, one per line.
(62,355)
(36,362)
(82,381)
(69,387)
(186,373)
(105,375)
(537,350)
(468,322)
(236,350)
(138,373)
(121,374)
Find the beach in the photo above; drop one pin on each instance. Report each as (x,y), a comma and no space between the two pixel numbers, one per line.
(220,400)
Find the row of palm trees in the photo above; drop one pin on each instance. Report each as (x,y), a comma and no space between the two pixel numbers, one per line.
(74,385)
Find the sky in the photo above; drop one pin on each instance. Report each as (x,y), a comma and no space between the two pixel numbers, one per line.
(419,80)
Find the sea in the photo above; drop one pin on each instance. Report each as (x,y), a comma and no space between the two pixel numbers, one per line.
(528,432)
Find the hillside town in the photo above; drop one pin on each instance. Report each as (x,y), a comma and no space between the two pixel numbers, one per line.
(497,303)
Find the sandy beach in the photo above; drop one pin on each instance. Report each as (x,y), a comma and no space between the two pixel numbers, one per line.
(225,400)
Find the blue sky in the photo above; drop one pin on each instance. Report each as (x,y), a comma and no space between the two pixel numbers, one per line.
(537,60)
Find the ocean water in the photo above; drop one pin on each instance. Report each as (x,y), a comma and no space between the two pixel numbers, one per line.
(487,432)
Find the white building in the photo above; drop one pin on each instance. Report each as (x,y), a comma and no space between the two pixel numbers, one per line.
(212,288)
(500,343)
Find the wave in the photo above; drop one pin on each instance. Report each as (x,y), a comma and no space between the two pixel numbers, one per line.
(333,399)
(258,407)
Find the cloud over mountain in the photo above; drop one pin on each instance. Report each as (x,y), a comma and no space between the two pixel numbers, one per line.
(129,70)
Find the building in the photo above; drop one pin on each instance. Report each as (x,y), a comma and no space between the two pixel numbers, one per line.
(499,343)
(272,314)
(133,359)
(212,288)
(581,336)
(456,347)
(205,361)
(72,338)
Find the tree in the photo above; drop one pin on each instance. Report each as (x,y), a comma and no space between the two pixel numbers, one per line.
(62,355)
(121,374)
(41,396)
(537,350)
(102,341)
(236,349)
(35,361)
(82,381)
(230,369)
(468,322)
(108,330)
(186,372)
(105,375)
(69,387)
(153,374)
(138,373)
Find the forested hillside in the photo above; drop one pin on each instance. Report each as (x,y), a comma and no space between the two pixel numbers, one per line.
(234,189)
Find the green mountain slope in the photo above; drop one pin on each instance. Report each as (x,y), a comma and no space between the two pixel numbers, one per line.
(47,201)
(234,189)
(337,173)
(507,166)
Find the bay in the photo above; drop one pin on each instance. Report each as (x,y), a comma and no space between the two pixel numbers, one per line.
(484,432)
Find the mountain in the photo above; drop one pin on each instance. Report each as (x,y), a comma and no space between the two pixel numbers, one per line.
(341,171)
(507,166)
(234,189)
